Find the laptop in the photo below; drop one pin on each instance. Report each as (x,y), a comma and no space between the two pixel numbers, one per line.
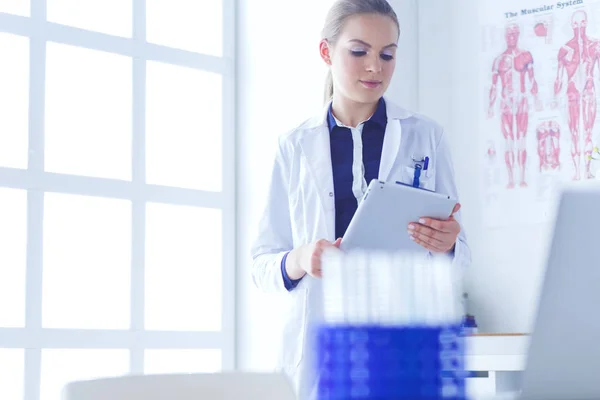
(563,361)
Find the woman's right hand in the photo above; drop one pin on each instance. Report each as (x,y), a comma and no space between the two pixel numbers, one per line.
(306,259)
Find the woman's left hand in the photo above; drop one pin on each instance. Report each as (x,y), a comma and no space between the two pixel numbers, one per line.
(437,236)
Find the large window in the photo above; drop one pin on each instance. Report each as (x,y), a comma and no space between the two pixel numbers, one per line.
(116,190)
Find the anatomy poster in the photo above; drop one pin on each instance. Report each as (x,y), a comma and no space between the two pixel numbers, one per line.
(539,83)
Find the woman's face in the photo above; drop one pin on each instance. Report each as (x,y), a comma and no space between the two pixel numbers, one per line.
(363,59)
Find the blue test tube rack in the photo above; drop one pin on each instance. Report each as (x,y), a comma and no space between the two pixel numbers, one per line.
(390,362)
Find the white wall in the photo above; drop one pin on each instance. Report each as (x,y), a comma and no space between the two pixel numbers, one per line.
(280,83)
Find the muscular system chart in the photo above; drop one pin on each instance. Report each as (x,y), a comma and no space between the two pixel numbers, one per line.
(539,77)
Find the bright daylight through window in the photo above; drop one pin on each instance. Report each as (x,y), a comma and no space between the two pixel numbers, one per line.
(116,190)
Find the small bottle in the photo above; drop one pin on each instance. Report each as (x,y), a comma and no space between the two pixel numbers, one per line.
(469,324)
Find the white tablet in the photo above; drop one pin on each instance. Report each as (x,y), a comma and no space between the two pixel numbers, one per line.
(382,218)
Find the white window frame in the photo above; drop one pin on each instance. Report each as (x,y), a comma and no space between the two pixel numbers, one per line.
(33,338)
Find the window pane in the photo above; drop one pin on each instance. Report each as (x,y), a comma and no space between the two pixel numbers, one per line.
(182,361)
(12,370)
(113,17)
(17,7)
(87,262)
(88,112)
(183,268)
(183,127)
(13,251)
(186,24)
(14,100)
(61,366)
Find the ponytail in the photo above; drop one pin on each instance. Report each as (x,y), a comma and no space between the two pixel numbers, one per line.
(328,86)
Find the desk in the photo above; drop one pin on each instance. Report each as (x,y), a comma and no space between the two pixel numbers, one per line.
(497,359)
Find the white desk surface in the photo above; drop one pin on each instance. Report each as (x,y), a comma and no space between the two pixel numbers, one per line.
(496,352)
(497,343)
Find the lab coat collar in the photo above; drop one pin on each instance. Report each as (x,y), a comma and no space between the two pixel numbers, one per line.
(378,118)
(393,111)
(315,144)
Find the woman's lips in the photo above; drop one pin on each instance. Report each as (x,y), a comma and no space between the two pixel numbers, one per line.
(371,84)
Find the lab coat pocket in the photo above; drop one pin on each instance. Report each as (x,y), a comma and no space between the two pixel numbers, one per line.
(426,180)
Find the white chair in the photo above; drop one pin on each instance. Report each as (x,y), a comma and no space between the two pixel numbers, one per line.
(219,386)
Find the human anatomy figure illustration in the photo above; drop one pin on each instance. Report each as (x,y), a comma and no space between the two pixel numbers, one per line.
(577,60)
(514,69)
(543,28)
(548,139)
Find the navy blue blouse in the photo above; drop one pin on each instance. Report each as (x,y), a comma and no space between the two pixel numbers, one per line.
(342,148)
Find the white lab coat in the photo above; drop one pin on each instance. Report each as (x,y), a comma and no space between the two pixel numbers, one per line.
(300,209)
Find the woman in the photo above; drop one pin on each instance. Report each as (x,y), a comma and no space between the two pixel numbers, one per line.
(322,168)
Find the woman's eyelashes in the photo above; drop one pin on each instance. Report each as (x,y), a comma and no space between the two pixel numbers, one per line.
(361,53)
(358,53)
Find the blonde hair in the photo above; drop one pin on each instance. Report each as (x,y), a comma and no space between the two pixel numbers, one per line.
(336,17)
